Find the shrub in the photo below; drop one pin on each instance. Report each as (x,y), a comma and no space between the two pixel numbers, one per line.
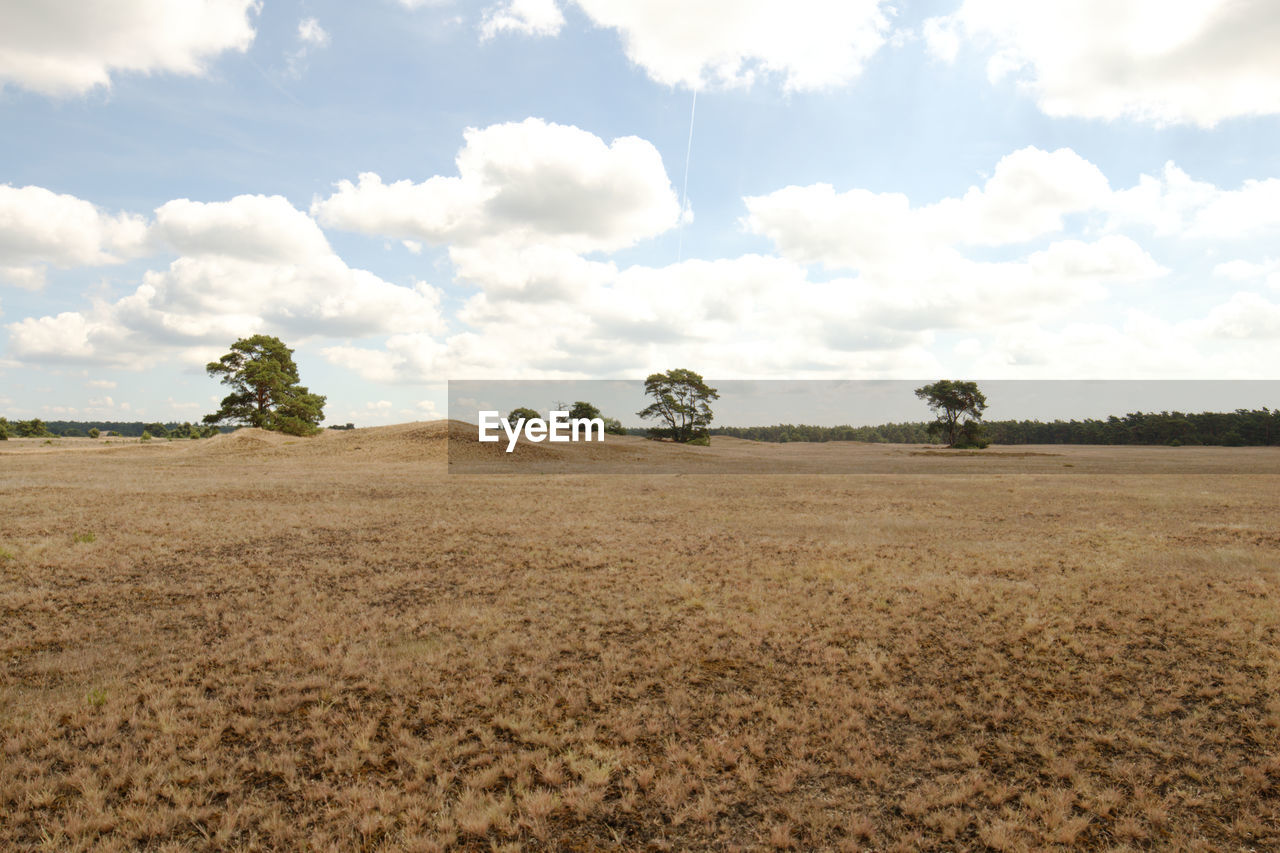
(972,437)
(146,436)
(700,441)
(94,433)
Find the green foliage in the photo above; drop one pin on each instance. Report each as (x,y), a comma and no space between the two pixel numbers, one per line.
(96,697)
(973,436)
(583,411)
(680,401)
(521,414)
(6,555)
(265,389)
(85,538)
(146,436)
(34,428)
(71,432)
(613,426)
(703,440)
(953,403)
(94,432)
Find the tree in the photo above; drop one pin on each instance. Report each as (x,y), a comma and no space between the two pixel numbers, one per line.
(34,428)
(613,426)
(94,432)
(264,388)
(680,399)
(583,411)
(157,430)
(520,415)
(954,405)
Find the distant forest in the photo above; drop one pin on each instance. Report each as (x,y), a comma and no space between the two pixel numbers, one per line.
(176,429)
(1243,427)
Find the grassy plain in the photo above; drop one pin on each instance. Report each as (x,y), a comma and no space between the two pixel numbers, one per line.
(258,642)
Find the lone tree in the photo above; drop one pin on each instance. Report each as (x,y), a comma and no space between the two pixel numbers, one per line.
(264,388)
(583,411)
(958,408)
(520,414)
(680,400)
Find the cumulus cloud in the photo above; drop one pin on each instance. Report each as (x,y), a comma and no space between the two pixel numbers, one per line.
(1244,316)
(1174,204)
(904,273)
(530,17)
(1027,196)
(529,183)
(1241,270)
(40,227)
(1198,62)
(67,47)
(251,264)
(807,44)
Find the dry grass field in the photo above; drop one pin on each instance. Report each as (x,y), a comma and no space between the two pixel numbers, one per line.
(258,642)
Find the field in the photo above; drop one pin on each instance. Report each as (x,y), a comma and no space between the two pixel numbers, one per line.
(257,642)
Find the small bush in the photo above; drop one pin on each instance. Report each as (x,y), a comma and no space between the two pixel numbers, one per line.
(146,436)
(700,441)
(94,433)
(1173,442)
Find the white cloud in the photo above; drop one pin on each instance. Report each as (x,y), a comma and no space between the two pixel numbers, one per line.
(910,274)
(521,184)
(808,44)
(310,32)
(39,227)
(1245,316)
(311,37)
(530,17)
(67,47)
(1240,270)
(1174,204)
(1196,62)
(101,383)
(1027,196)
(251,264)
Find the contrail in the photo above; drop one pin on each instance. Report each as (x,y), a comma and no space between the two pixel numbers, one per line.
(684,202)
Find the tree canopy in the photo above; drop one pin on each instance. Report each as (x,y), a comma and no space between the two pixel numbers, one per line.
(520,414)
(265,389)
(680,401)
(957,407)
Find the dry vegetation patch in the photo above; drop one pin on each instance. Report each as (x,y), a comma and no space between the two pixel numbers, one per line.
(332,643)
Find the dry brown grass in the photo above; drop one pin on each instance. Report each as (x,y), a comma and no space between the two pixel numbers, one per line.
(334,644)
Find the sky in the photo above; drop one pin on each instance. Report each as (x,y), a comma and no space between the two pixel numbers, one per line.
(409,192)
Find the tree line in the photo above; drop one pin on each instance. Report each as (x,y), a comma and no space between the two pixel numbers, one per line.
(1241,428)
(37,428)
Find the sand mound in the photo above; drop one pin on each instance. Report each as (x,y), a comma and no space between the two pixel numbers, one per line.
(244,441)
(441,441)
